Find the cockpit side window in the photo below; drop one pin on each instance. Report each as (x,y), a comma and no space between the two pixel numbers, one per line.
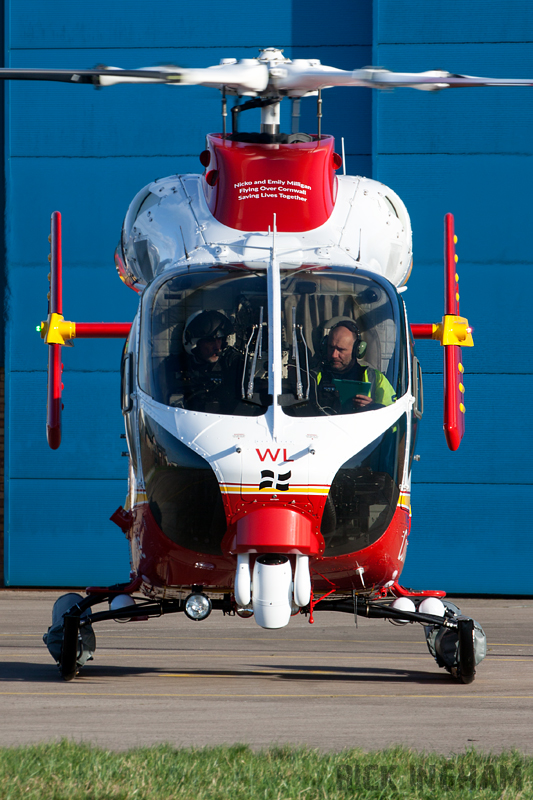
(204,342)
(348,328)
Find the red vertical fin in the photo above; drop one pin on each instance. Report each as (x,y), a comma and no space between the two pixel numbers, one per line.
(55,386)
(454,408)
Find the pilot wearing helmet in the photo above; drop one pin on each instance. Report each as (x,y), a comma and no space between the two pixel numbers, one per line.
(343,383)
(205,335)
(205,377)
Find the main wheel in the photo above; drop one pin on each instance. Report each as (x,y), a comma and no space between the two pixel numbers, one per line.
(467,664)
(69,650)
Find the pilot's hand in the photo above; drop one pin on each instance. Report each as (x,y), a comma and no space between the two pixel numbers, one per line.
(361,400)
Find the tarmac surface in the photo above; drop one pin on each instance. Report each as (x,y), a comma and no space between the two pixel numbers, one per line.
(225,680)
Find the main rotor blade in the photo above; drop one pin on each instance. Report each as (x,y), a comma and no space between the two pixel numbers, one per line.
(92,76)
(251,76)
(437,79)
(244,77)
(296,79)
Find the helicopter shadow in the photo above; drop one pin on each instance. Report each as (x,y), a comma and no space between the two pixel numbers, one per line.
(361,674)
(320,674)
(16,672)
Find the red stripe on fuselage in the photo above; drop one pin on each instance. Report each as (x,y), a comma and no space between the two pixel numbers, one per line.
(162,563)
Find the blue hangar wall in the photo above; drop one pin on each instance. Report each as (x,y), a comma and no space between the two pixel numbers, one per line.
(469,152)
(87,152)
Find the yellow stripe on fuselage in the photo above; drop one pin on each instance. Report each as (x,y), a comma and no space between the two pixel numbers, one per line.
(235,489)
(404,501)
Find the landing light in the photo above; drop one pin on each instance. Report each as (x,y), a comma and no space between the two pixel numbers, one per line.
(197,606)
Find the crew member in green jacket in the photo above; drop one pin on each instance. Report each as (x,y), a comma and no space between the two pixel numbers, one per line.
(341,369)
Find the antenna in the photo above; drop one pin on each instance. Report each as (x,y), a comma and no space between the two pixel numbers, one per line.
(295,115)
(343,157)
(274,335)
(224,112)
(187,256)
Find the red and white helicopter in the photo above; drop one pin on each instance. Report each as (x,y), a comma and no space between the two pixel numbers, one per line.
(270,387)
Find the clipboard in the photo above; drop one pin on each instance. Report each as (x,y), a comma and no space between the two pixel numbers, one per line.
(349,389)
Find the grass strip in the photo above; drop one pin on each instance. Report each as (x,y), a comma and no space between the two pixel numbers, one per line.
(70,771)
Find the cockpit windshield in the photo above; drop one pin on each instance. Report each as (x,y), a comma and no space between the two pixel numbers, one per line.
(204,341)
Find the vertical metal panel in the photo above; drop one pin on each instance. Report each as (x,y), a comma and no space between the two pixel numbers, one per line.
(457,21)
(467,152)
(487,456)
(61,533)
(133,24)
(470,538)
(90,415)
(3,284)
(341,38)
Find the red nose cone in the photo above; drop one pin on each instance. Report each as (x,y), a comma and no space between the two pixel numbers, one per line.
(276,530)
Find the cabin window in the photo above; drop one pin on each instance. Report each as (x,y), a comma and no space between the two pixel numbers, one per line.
(182,490)
(364,494)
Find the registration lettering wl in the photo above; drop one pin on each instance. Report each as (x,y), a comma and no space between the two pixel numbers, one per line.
(272,456)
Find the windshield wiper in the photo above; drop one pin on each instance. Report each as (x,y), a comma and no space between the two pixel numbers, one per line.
(258,350)
(299,384)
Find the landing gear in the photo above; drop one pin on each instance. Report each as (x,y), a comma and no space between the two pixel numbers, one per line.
(457,643)
(460,648)
(70,639)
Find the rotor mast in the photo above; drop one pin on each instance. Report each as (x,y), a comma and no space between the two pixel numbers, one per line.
(270,118)
(270,114)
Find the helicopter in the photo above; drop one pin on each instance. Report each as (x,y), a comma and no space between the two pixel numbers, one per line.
(270,387)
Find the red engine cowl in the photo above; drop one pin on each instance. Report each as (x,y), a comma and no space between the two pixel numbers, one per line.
(245,184)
